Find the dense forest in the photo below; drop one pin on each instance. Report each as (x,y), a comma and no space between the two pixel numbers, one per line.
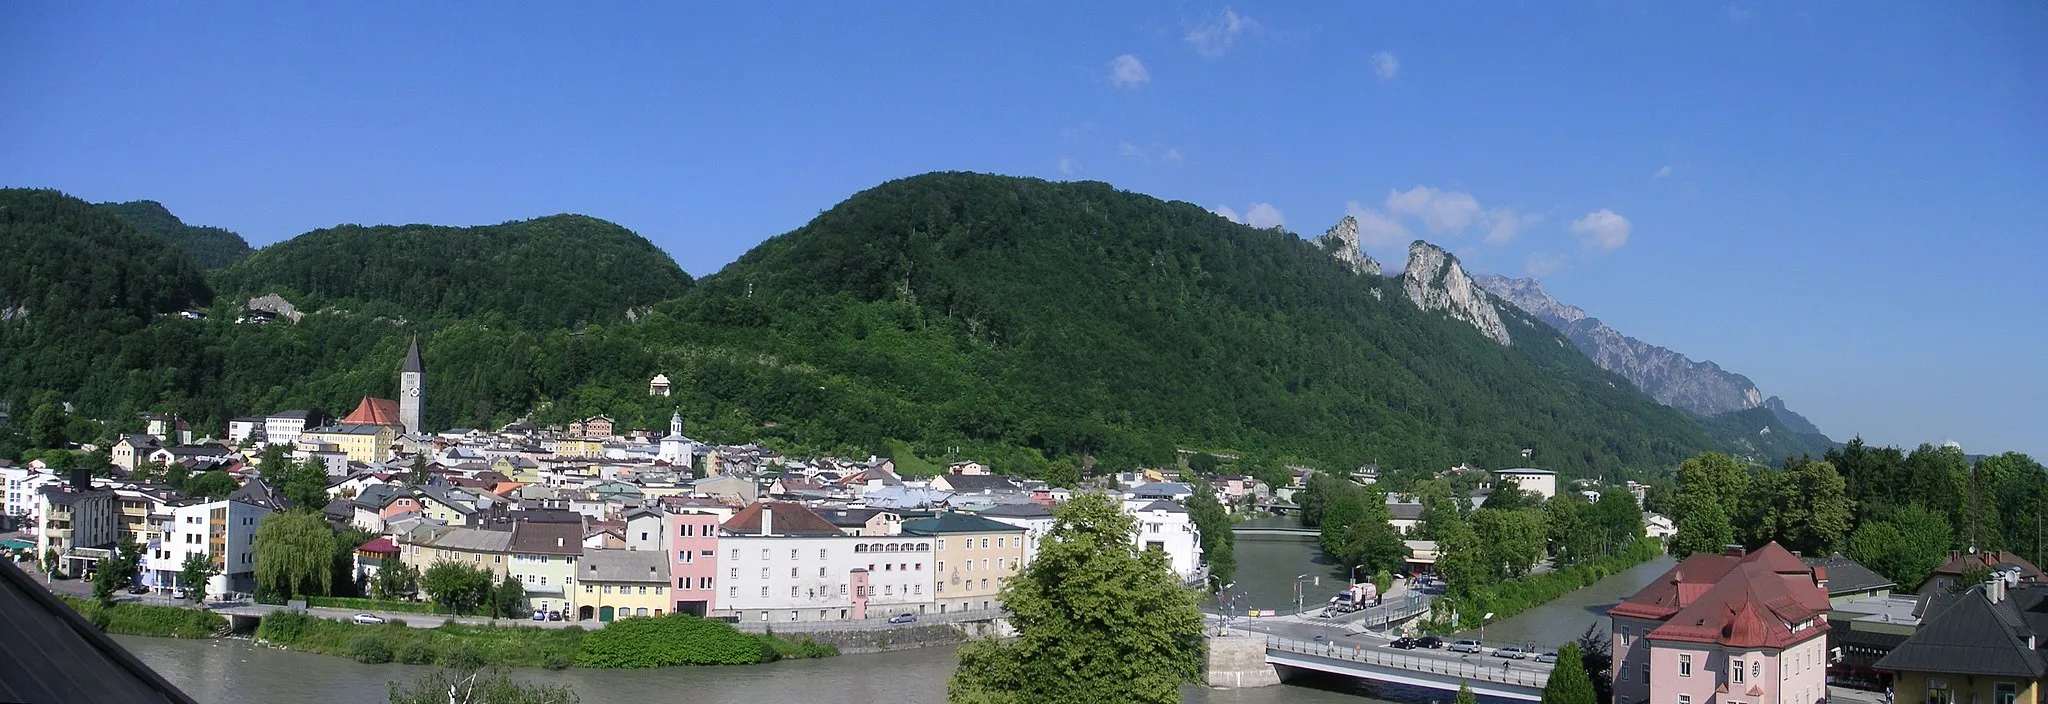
(211,247)
(1009,319)
(1761,436)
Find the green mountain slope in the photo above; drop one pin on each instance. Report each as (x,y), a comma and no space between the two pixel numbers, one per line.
(554,271)
(1762,436)
(210,247)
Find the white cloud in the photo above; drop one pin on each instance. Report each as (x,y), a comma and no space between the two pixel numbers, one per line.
(1662,171)
(1263,216)
(1172,156)
(1067,165)
(1128,72)
(1375,229)
(1503,224)
(1386,66)
(1214,38)
(1540,264)
(1129,149)
(1227,213)
(1601,229)
(1442,212)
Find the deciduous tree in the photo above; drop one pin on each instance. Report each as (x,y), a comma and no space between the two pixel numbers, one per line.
(295,555)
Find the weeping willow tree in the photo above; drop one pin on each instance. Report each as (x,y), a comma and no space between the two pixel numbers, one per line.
(294,555)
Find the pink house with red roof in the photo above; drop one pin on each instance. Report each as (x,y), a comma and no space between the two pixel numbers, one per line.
(1733,628)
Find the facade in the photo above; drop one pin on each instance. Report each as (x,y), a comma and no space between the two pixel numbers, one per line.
(223,531)
(693,542)
(784,563)
(1033,518)
(412,390)
(132,450)
(284,428)
(1978,647)
(614,584)
(19,492)
(974,557)
(1166,526)
(70,518)
(487,549)
(362,442)
(644,530)
(1736,628)
(1541,481)
(659,386)
(241,430)
(544,557)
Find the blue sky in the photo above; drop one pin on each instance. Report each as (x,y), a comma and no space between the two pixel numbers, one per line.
(1842,201)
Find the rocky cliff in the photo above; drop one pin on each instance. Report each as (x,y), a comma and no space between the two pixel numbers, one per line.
(1703,388)
(1435,281)
(1341,241)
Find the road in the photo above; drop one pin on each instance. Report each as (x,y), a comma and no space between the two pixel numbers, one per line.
(1345,630)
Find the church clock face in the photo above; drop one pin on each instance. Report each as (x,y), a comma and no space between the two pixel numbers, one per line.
(413,392)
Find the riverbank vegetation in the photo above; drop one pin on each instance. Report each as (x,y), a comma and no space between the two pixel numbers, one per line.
(1097,619)
(1898,513)
(147,620)
(1509,597)
(626,643)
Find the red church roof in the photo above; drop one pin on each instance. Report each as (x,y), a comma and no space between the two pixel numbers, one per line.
(375,411)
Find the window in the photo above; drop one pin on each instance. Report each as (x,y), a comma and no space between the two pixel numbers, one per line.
(984,584)
(764,573)
(588,589)
(1735,672)
(1623,667)
(543,580)
(942,543)
(999,541)
(1937,692)
(888,590)
(2004,693)
(1646,672)
(919,589)
(1685,665)
(735,553)
(607,589)
(920,567)
(1756,669)
(686,557)
(764,553)
(942,565)
(821,572)
(792,592)
(735,573)
(643,591)
(792,553)
(821,553)
(732,592)
(842,590)
(1684,699)
(984,565)
(984,543)
(792,573)
(703,582)
(764,591)
(970,585)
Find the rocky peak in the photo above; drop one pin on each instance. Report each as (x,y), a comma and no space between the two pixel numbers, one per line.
(1341,241)
(1435,281)
(1528,295)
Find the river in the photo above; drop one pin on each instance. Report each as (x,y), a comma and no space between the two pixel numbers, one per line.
(1566,617)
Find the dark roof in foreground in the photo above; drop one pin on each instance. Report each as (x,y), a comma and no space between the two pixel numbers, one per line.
(945,523)
(49,653)
(1846,576)
(1970,636)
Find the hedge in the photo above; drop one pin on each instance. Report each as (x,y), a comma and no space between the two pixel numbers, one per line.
(146,620)
(512,646)
(675,639)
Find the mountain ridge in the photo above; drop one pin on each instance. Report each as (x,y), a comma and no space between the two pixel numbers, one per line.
(211,248)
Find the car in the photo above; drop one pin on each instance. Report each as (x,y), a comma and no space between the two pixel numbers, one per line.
(1404,643)
(1547,657)
(367,619)
(181,594)
(1429,642)
(1511,652)
(1464,645)
(905,617)
(554,615)
(541,615)
(138,589)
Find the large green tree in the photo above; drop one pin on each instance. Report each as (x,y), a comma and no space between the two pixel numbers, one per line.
(194,574)
(1804,507)
(459,587)
(295,555)
(1709,496)
(1568,683)
(1218,543)
(1904,544)
(1097,620)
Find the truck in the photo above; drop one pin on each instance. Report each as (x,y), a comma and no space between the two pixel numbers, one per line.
(1355,597)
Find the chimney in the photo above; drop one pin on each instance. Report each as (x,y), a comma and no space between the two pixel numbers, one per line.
(1994,590)
(1736,550)
(81,479)
(767,519)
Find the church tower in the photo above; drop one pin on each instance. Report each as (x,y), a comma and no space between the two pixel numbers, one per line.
(412,390)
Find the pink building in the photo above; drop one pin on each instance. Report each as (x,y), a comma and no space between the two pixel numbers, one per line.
(693,538)
(1735,628)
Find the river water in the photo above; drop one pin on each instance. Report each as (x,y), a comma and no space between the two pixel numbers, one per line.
(239,672)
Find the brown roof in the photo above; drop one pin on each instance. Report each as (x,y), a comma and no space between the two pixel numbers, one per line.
(375,411)
(1738,600)
(547,538)
(790,519)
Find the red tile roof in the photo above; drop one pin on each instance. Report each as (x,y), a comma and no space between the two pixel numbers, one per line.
(1748,601)
(790,519)
(375,411)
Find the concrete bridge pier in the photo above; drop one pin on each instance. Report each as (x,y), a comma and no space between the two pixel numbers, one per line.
(1238,662)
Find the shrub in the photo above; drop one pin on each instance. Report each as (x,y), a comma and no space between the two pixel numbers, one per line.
(369,649)
(555,662)
(415,652)
(282,626)
(460,656)
(148,620)
(399,623)
(671,640)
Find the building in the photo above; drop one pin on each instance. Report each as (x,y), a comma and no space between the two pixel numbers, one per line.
(1541,481)
(658,386)
(1166,526)
(621,583)
(693,540)
(80,523)
(2020,571)
(245,430)
(374,411)
(412,390)
(975,557)
(1849,580)
(1719,629)
(863,521)
(1978,647)
(133,450)
(19,491)
(284,427)
(545,547)
(428,545)
(360,442)
(593,427)
(782,562)
(224,532)
(644,530)
(1033,518)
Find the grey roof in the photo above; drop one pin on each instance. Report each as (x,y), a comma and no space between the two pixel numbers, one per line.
(623,566)
(60,495)
(469,540)
(975,483)
(1162,505)
(441,494)
(847,517)
(412,358)
(256,493)
(49,653)
(1017,511)
(1846,576)
(1159,489)
(1405,511)
(950,522)
(1969,635)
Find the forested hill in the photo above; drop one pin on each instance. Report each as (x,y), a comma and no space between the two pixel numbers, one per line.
(556,271)
(210,247)
(64,262)
(1073,317)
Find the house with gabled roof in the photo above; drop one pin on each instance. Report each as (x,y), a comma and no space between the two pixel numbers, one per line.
(1733,628)
(1983,645)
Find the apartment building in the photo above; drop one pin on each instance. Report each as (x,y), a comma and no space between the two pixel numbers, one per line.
(974,558)
(223,531)
(782,562)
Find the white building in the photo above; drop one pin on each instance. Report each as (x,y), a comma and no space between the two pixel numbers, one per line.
(69,519)
(245,429)
(224,531)
(1033,518)
(285,427)
(1166,526)
(18,489)
(676,450)
(798,567)
(1541,481)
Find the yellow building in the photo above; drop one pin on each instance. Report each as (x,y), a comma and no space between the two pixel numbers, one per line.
(579,447)
(614,584)
(976,557)
(1973,648)
(361,442)
(428,545)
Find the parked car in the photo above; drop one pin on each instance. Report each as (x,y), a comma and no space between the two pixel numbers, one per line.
(181,594)
(1465,646)
(138,589)
(905,617)
(1404,643)
(1429,642)
(1547,657)
(541,615)
(367,619)
(554,615)
(1511,652)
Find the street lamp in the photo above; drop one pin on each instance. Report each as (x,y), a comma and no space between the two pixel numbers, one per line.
(1482,627)
(1297,592)
(1227,604)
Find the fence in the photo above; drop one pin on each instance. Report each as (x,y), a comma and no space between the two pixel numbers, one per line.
(1506,673)
(869,624)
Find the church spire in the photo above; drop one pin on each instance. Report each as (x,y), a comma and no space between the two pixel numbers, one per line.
(412,359)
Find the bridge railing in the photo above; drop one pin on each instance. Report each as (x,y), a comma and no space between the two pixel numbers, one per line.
(1505,674)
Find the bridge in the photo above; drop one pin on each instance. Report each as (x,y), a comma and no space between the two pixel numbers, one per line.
(1275,530)
(1432,669)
